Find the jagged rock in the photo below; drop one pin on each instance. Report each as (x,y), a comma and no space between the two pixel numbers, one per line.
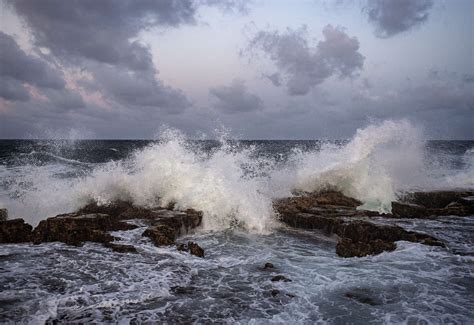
(121,248)
(161,235)
(76,228)
(3,214)
(347,248)
(268,265)
(168,225)
(333,213)
(15,231)
(192,248)
(277,278)
(432,204)
(195,249)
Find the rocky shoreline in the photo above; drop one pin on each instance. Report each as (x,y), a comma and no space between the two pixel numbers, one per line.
(330,212)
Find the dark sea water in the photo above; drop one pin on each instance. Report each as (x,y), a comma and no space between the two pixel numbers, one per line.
(230,180)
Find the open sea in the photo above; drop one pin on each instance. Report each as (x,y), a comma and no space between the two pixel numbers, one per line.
(231,180)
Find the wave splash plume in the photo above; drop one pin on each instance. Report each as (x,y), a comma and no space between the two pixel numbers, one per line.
(234,184)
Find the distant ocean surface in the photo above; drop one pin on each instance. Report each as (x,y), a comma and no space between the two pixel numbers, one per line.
(235,180)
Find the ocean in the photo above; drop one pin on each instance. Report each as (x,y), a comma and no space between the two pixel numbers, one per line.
(233,182)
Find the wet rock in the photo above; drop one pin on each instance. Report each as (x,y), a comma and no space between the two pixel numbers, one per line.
(432,204)
(183,290)
(15,231)
(362,298)
(3,214)
(76,228)
(121,248)
(275,292)
(347,248)
(280,277)
(168,225)
(335,215)
(195,249)
(268,265)
(192,248)
(161,235)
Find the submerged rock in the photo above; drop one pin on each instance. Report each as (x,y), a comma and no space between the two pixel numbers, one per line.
(268,265)
(3,214)
(280,277)
(334,213)
(362,298)
(15,231)
(121,248)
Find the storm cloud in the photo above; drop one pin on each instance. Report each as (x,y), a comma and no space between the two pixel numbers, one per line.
(236,98)
(305,66)
(18,68)
(99,37)
(392,17)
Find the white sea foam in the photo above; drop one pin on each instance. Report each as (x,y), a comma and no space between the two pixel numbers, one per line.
(373,166)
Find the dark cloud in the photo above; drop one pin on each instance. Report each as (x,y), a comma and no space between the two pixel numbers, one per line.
(275,78)
(392,17)
(98,37)
(304,66)
(133,89)
(17,67)
(13,90)
(101,30)
(236,98)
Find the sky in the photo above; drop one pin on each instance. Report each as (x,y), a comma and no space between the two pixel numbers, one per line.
(261,69)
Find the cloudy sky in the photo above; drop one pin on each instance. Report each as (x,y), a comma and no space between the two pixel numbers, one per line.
(261,69)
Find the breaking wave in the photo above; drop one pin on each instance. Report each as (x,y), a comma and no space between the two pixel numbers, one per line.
(234,184)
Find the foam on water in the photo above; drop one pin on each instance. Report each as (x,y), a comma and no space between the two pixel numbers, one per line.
(232,184)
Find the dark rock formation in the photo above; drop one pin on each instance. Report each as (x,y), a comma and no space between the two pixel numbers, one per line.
(76,228)
(268,265)
(333,213)
(432,204)
(15,231)
(168,225)
(347,248)
(195,249)
(192,248)
(3,214)
(280,277)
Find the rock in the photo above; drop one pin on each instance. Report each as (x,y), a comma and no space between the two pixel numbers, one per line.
(182,247)
(195,249)
(168,225)
(432,204)
(347,248)
(15,231)
(275,292)
(363,298)
(277,278)
(3,214)
(121,248)
(268,265)
(161,235)
(357,237)
(76,228)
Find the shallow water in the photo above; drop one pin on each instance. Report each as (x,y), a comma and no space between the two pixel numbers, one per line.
(414,284)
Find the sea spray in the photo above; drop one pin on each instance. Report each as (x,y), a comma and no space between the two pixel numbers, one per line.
(232,183)
(379,160)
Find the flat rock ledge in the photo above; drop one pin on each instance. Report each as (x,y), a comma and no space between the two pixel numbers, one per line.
(94,222)
(334,213)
